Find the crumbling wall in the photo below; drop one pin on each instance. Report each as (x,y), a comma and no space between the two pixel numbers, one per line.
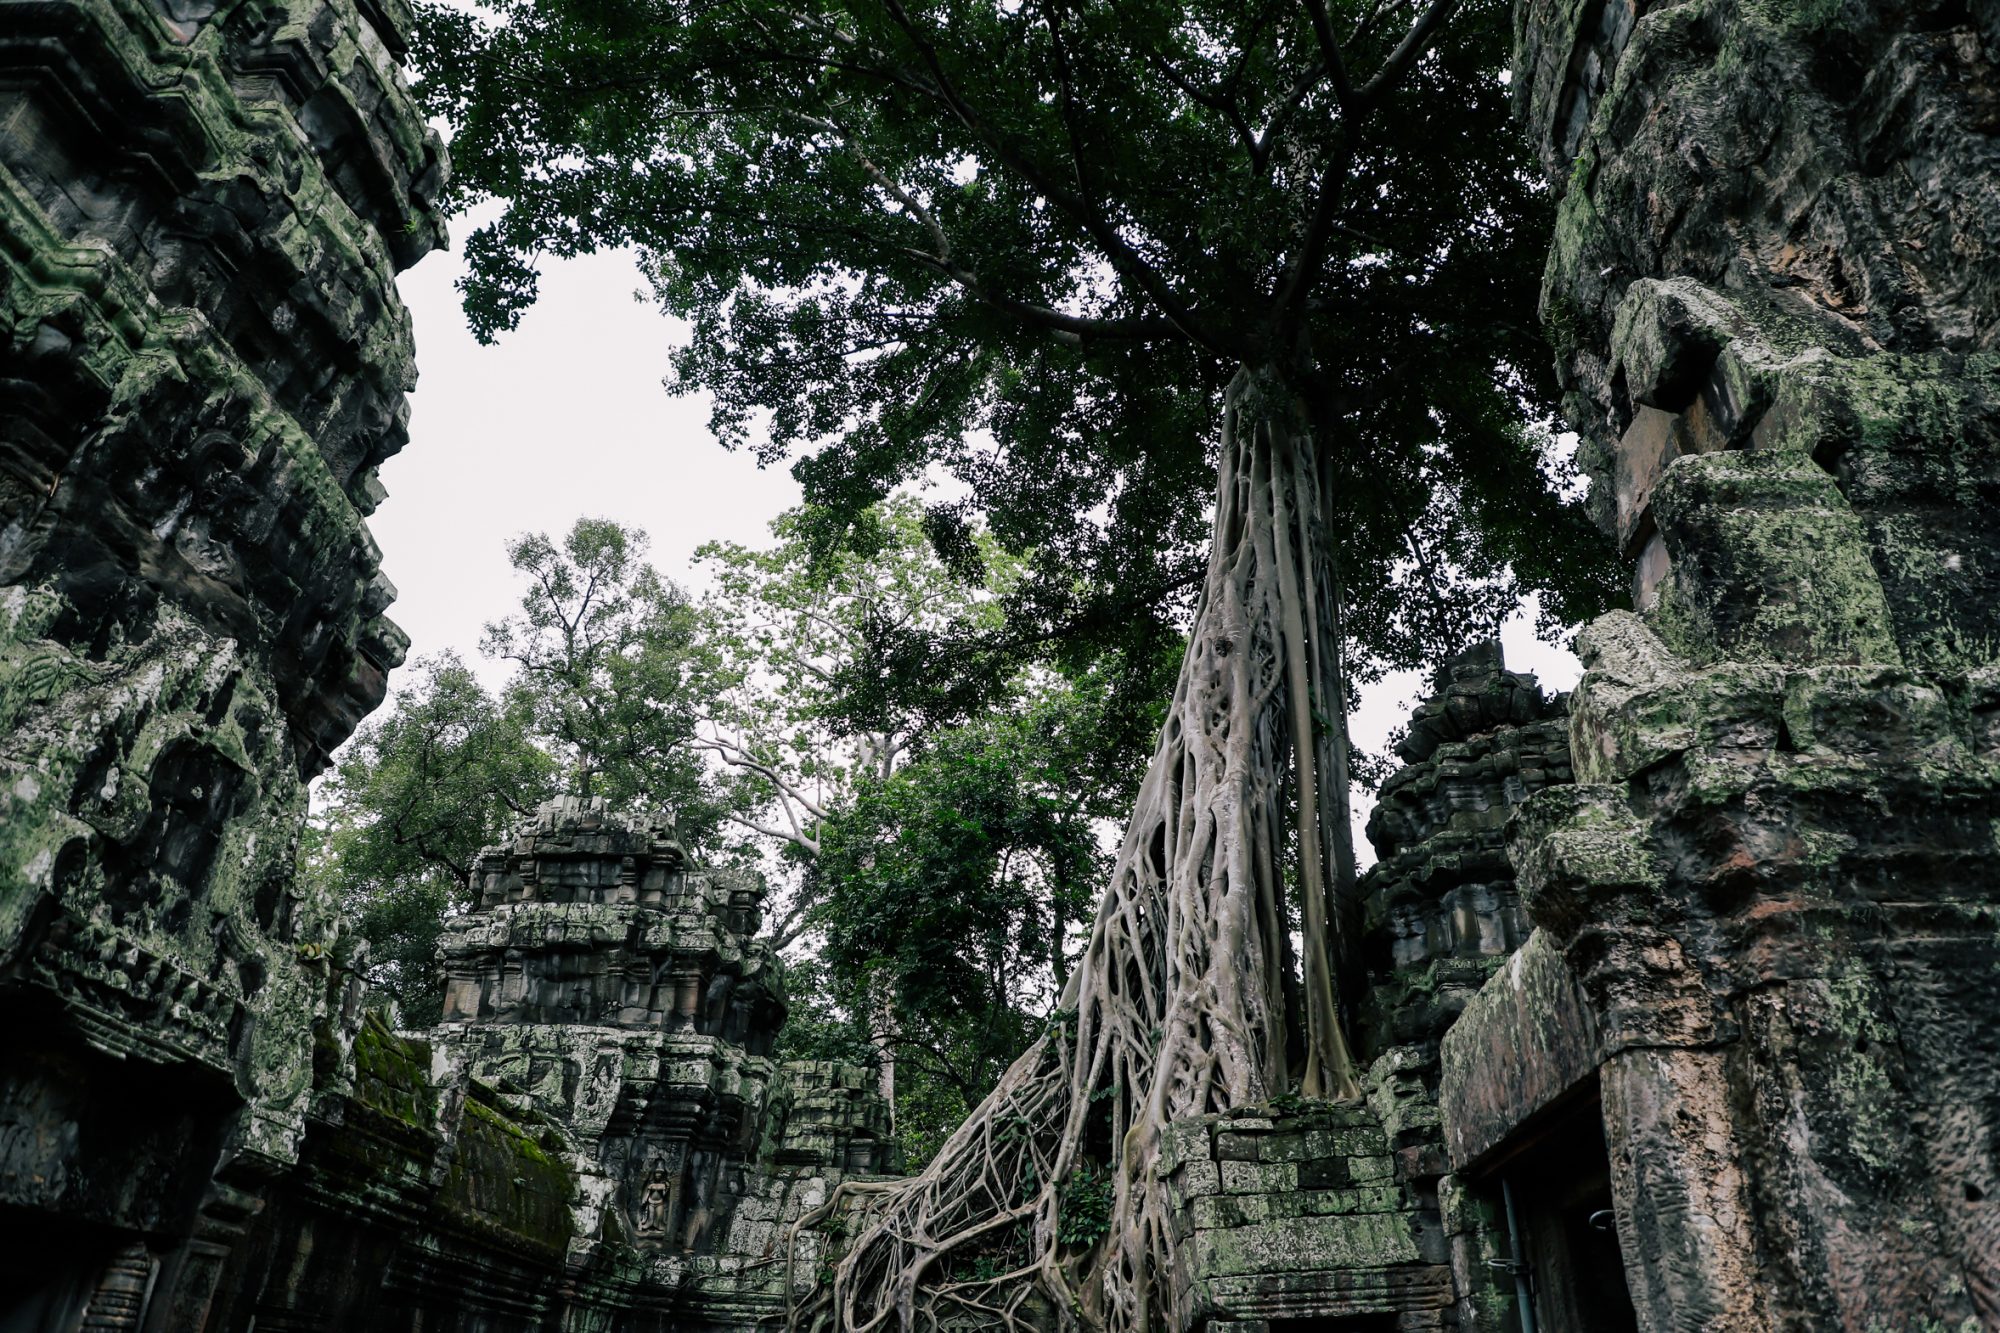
(611,985)
(1773,295)
(202,362)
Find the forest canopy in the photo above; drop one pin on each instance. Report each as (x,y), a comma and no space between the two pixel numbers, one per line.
(1025,246)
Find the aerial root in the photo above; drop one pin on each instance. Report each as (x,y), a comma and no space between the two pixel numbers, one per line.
(1183,1000)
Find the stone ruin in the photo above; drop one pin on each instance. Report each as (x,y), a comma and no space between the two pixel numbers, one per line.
(202,363)
(596,1136)
(1676,995)
(605,983)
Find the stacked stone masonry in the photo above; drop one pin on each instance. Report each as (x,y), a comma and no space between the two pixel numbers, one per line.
(203,362)
(610,986)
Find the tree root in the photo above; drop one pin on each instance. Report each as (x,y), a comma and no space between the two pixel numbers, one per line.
(1187,998)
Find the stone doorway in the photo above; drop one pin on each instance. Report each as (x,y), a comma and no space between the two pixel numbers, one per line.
(1560,1178)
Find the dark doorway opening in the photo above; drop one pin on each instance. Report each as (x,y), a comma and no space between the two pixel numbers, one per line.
(1560,1176)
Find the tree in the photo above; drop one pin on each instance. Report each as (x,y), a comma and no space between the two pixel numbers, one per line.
(415,796)
(960,883)
(791,625)
(1045,246)
(611,670)
(841,778)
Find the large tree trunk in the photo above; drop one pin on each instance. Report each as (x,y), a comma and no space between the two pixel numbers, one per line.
(1185,1001)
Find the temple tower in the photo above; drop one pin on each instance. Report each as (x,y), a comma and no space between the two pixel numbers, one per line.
(607,983)
(1766,909)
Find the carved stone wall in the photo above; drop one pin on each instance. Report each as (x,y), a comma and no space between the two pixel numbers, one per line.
(1439,909)
(609,985)
(628,1166)
(1767,911)
(202,362)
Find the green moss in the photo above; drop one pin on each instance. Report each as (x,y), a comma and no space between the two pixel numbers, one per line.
(392,1074)
(1801,16)
(1563,324)
(1770,564)
(1862,1099)
(505,1186)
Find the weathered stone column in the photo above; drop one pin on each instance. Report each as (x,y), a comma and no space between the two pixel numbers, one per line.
(1774,291)
(202,362)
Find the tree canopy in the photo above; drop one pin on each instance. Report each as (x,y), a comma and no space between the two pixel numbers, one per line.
(796,625)
(1028,244)
(939,858)
(611,669)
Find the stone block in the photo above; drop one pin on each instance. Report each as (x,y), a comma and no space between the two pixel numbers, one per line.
(1770,564)
(1322,1173)
(1305,1245)
(1527,1040)
(1232,1147)
(1666,337)
(1648,445)
(1199,1177)
(1184,1141)
(1366,1170)
(1257,1177)
(1221,1211)
(1870,713)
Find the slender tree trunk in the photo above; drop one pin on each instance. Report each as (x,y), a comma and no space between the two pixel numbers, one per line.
(1058,931)
(1183,1001)
(886,1029)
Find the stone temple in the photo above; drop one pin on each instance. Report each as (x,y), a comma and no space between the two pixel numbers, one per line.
(1676,994)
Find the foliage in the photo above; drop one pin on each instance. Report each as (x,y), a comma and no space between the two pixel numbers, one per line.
(1048,248)
(961,883)
(976,853)
(1028,244)
(416,794)
(1085,1216)
(793,623)
(611,670)
(914,824)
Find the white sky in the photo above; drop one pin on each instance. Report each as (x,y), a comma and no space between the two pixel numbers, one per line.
(562,418)
(565,417)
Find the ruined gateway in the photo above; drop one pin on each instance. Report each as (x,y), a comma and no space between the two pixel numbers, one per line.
(1678,993)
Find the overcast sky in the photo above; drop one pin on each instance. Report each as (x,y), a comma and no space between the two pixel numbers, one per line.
(565,417)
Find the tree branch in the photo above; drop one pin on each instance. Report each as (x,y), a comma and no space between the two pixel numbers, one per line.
(1329,49)
(1099,228)
(1355,108)
(1415,42)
